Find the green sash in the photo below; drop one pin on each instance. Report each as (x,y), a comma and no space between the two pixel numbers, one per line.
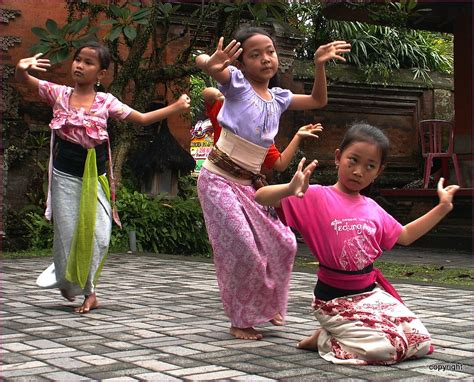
(82,245)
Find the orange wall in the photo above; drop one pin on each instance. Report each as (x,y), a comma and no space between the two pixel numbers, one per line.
(34,13)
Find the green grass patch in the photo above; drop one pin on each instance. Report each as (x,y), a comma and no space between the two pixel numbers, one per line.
(431,274)
(29,253)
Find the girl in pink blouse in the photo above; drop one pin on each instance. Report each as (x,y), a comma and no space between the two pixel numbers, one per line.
(79,194)
(363,320)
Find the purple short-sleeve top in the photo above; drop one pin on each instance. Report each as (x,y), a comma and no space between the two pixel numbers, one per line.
(249,116)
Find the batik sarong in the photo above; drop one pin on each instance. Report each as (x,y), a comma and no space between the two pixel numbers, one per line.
(253,251)
(372,328)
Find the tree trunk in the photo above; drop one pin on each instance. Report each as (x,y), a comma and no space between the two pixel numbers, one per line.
(121,151)
(123,139)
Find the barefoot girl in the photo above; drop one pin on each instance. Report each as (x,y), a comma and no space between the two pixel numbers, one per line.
(253,252)
(79,195)
(363,320)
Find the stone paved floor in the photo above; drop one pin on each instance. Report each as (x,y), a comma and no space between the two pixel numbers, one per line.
(161,319)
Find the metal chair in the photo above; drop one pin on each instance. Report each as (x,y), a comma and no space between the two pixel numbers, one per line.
(437,141)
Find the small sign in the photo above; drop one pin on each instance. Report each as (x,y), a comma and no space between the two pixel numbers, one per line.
(202,141)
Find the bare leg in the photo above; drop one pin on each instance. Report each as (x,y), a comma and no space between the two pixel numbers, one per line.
(66,295)
(90,303)
(277,320)
(246,333)
(311,342)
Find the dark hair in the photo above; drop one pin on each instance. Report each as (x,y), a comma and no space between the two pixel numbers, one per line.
(102,52)
(363,132)
(245,33)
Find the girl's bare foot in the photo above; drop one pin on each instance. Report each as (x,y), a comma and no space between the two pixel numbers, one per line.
(66,295)
(277,320)
(90,303)
(311,342)
(246,333)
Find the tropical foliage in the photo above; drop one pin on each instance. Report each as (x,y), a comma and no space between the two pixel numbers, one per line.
(161,224)
(377,49)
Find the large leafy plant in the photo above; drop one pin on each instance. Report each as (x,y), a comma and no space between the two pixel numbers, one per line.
(377,50)
(57,42)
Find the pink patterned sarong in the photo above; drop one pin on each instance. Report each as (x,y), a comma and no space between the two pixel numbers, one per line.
(253,252)
(372,328)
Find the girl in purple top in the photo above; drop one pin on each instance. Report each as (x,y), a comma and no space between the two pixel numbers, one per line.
(253,251)
(363,320)
(79,195)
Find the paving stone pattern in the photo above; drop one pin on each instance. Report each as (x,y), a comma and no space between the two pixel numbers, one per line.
(161,319)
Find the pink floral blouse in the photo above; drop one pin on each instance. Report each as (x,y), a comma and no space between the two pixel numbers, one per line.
(87,128)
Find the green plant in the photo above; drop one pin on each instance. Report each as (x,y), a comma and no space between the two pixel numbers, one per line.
(197,85)
(39,231)
(58,41)
(162,225)
(187,187)
(377,50)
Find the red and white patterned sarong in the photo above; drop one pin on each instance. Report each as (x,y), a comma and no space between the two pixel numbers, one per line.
(372,328)
(253,252)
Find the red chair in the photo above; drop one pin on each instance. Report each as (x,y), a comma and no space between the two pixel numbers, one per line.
(437,141)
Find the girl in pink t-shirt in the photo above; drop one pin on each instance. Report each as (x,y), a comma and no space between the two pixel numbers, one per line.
(79,195)
(363,320)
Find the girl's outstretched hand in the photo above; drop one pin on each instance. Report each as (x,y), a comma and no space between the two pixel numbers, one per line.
(446,194)
(331,51)
(310,130)
(34,63)
(300,181)
(183,103)
(222,58)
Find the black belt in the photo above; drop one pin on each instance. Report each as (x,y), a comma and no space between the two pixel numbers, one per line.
(326,292)
(70,157)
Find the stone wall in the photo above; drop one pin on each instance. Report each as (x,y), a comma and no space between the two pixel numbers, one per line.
(395,108)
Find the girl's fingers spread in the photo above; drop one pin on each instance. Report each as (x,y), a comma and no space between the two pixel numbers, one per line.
(339,58)
(342,45)
(220,43)
(236,54)
(234,49)
(38,55)
(440,184)
(301,164)
(231,45)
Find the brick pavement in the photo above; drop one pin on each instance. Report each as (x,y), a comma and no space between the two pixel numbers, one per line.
(161,319)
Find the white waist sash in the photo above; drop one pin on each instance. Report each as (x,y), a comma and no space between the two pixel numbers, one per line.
(246,154)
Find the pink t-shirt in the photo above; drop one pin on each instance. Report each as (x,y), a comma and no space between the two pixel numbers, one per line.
(343,231)
(86,128)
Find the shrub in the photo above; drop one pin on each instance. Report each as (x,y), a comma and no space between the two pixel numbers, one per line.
(39,231)
(162,224)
